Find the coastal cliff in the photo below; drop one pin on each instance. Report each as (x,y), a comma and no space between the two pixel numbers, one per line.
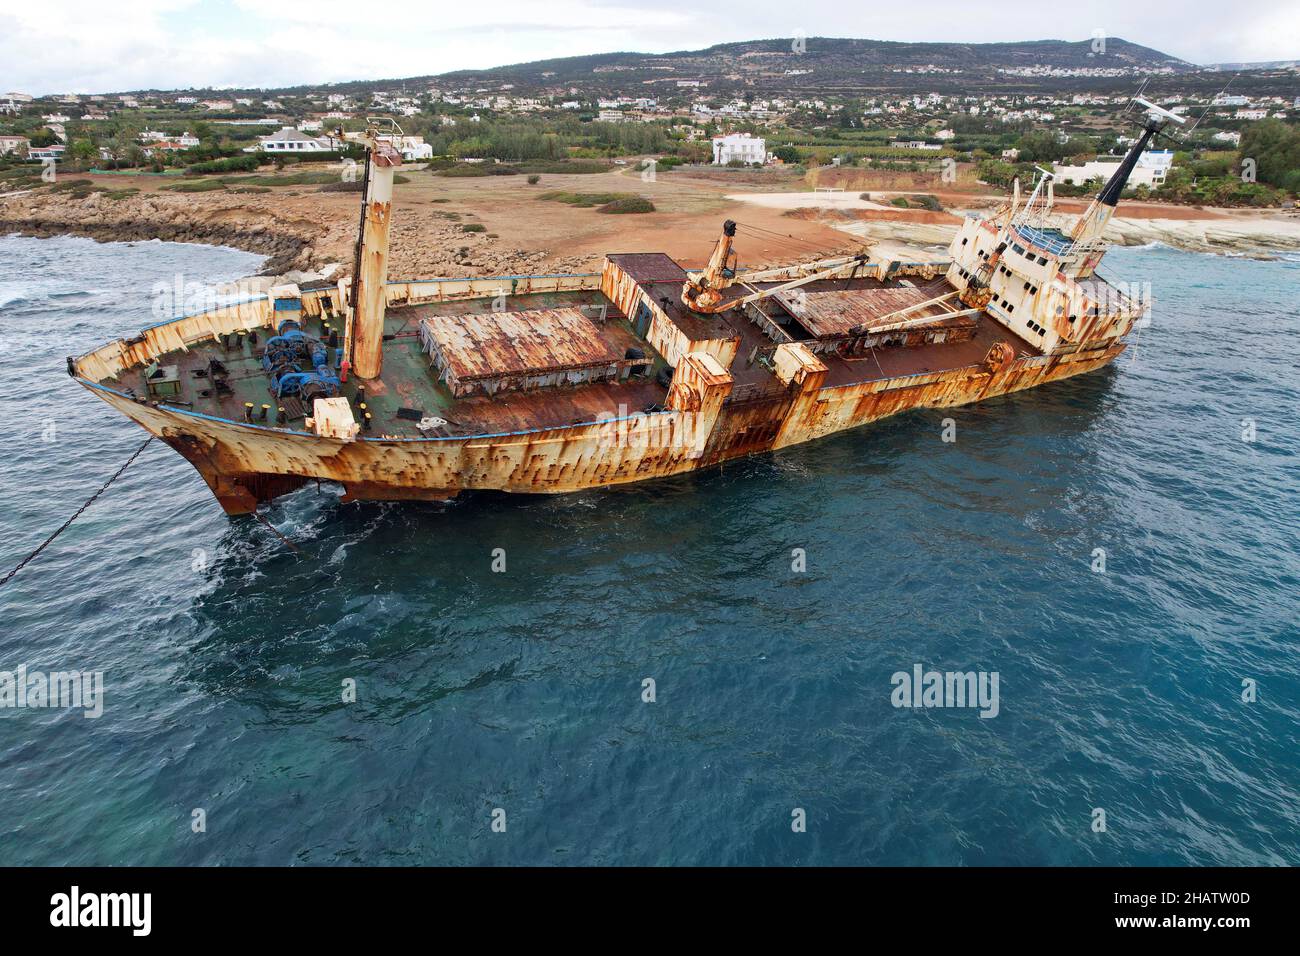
(297,231)
(1254,235)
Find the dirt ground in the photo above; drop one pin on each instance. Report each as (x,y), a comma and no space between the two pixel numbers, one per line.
(520,230)
(301,227)
(688,217)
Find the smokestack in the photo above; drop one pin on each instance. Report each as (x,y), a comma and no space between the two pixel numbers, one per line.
(368,323)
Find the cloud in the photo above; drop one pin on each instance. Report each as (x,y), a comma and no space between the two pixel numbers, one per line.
(83,46)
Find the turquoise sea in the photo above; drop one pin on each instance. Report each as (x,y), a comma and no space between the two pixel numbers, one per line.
(225,653)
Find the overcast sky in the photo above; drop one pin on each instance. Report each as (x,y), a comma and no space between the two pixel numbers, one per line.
(79,46)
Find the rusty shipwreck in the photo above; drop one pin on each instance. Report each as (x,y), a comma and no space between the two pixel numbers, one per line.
(555,383)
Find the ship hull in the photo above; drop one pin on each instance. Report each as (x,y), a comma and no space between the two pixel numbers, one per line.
(245,464)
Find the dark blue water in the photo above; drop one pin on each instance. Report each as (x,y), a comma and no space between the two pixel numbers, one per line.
(225,653)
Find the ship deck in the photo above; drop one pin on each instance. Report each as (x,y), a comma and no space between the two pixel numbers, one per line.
(408,381)
(410,385)
(880,363)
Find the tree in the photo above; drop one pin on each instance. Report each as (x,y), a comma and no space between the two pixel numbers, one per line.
(1275,148)
(82,152)
(123,147)
(995,172)
(1039,146)
(43,137)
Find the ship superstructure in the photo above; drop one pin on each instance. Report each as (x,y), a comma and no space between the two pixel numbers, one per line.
(423,389)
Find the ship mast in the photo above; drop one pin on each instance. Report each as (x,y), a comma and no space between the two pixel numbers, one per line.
(1093,222)
(368,295)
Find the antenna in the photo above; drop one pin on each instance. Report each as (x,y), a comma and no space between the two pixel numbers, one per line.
(1160,111)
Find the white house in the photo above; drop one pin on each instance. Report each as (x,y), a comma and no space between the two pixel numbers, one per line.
(13,144)
(1152,168)
(45,152)
(287,140)
(739,146)
(1159,161)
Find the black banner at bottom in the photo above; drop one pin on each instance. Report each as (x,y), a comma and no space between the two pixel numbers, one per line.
(333,906)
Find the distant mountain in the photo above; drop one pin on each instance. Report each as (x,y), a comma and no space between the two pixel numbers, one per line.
(813,63)
(830,56)
(1263,65)
(846,67)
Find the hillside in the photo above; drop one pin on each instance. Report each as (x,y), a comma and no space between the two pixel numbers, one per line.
(824,64)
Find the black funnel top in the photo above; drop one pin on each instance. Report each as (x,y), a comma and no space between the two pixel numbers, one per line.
(1110,193)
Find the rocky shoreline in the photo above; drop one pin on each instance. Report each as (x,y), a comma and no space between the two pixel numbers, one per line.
(307,235)
(1256,237)
(285,253)
(302,234)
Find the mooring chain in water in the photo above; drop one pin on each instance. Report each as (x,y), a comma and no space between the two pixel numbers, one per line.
(64,527)
(274,530)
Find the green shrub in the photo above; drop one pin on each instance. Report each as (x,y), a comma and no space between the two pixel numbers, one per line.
(319,178)
(901,202)
(534,179)
(479,169)
(196,186)
(21,172)
(628,205)
(584,200)
(572,167)
(233,164)
(473,227)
